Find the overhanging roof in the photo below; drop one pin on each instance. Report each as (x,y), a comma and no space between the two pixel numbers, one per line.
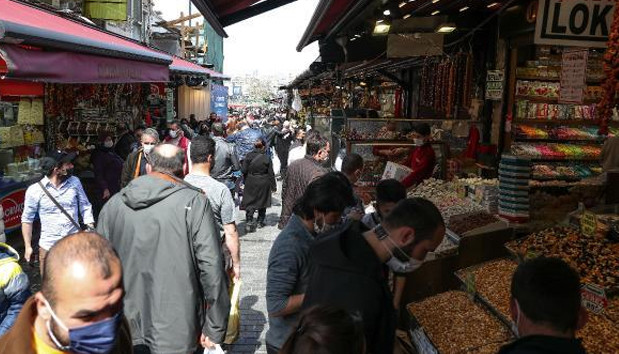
(183,66)
(25,24)
(222,13)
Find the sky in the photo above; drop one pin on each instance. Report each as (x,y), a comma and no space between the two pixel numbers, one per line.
(265,44)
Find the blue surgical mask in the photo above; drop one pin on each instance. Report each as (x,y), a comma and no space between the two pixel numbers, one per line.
(95,338)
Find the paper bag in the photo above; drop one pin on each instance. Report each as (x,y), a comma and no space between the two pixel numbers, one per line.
(396,171)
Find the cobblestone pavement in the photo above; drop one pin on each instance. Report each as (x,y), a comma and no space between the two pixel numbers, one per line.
(255,248)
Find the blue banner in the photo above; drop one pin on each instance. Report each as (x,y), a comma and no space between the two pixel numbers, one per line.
(219,101)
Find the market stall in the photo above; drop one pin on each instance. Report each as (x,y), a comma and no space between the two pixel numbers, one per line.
(63,84)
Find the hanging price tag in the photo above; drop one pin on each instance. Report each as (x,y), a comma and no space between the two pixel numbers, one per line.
(594,298)
(588,223)
(469,282)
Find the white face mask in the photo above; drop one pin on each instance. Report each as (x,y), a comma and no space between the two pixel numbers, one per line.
(148,148)
(399,266)
(108,144)
(418,142)
(321,229)
(173,134)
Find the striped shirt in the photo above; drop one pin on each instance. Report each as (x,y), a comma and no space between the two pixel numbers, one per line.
(54,224)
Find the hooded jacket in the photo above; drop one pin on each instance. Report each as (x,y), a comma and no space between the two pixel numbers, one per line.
(544,345)
(14,287)
(166,236)
(346,273)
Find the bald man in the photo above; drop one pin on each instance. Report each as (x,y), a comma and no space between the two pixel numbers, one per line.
(166,235)
(80,306)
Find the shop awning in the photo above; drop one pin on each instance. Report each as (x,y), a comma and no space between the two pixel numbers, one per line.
(182,66)
(35,64)
(25,24)
(222,13)
(327,14)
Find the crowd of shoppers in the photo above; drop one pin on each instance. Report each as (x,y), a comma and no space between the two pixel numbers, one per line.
(155,275)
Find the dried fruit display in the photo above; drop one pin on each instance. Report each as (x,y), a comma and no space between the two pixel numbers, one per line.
(599,335)
(595,258)
(611,69)
(493,283)
(455,324)
(468,222)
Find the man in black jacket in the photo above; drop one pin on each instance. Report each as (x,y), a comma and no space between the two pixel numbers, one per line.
(347,267)
(546,308)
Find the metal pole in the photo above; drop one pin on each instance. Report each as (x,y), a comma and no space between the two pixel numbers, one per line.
(189,12)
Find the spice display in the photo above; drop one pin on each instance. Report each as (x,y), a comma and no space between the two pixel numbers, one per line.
(572,172)
(557,133)
(599,335)
(595,258)
(468,222)
(456,325)
(531,110)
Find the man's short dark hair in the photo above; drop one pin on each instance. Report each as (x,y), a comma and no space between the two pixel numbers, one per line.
(88,247)
(352,163)
(175,122)
(201,148)
(218,129)
(418,213)
(315,142)
(548,292)
(164,164)
(329,193)
(423,129)
(390,191)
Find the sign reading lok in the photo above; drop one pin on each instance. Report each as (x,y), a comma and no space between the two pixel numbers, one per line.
(582,23)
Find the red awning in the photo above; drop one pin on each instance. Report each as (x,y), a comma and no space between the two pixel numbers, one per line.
(186,67)
(327,13)
(22,23)
(66,67)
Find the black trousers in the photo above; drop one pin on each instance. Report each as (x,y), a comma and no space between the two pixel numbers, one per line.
(249,214)
(271,349)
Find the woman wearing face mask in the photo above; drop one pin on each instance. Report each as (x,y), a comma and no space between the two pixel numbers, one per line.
(108,168)
(422,159)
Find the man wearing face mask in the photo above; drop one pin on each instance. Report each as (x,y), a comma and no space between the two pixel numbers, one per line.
(347,267)
(176,137)
(422,159)
(135,165)
(57,187)
(546,308)
(80,306)
(319,208)
(301,172)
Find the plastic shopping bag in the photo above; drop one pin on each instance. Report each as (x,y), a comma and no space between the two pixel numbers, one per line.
(234,320)
(216,350)
(277,165)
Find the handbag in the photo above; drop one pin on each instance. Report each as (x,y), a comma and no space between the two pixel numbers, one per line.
(75,223)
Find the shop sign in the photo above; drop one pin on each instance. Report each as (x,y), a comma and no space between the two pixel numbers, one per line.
(576,23)
(13,205)
(494,85)
(589,223)
(219,101)
(593,298)
(573,75)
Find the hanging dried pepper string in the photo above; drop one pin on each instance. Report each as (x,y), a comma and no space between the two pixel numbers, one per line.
(611,68)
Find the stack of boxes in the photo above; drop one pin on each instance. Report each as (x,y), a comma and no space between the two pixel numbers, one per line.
(514,177)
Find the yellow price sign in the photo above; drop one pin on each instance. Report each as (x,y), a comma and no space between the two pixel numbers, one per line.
(588,223)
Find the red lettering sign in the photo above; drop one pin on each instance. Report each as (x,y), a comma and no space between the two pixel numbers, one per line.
(13,205)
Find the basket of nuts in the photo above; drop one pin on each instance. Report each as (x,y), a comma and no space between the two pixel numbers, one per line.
(452,323)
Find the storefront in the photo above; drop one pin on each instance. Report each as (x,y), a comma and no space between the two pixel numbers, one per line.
(522,113)
(60,88)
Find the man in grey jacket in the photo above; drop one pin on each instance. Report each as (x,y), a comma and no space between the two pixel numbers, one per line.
(173,270)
